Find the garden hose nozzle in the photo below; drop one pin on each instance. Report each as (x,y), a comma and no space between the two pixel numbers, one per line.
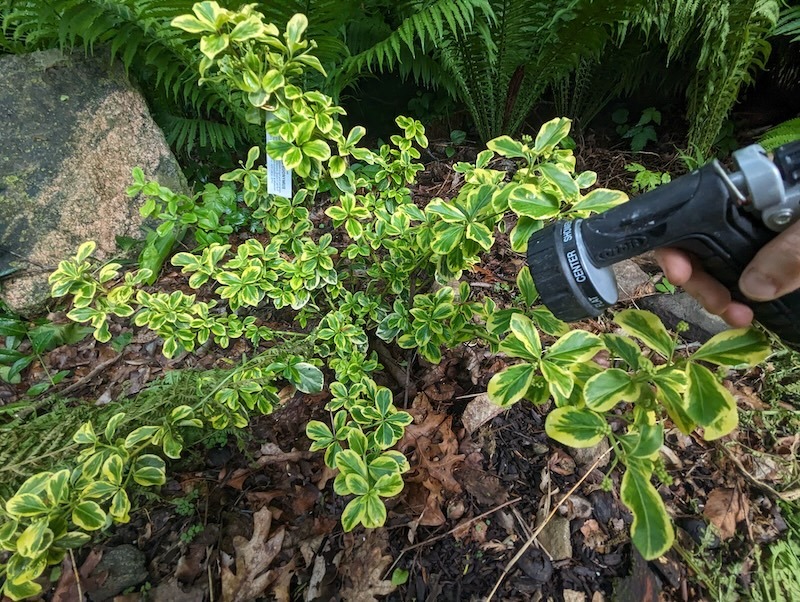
(721,217)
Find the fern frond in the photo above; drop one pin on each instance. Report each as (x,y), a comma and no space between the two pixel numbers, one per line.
(783,133)
(419,32)
(789,23)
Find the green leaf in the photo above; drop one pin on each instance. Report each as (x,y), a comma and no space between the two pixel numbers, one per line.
(311,378)
(99,490)
(35,539)
(506,146)
(576,427)
(447,237)
(551,134)
(320,434)
(112,424)
(73,539)
(623,348)
(149,470)
(247,29)
(389,485)
(480,234)
(527,334)
(24,589)
(84,251)
(646,327)
(670,387)
(605,390)
(213,44)
(143,433)
(399,576)
(88,515)
(652,531)
(120,507)
(734,347)
(113,468)
(599,200)
(526,286)
(58,486)
(547,322)
(85,434)
(349,461)
(527,200)
(317,149)
(706,399)
(561,179)
(295,28)
(558,379)
(35,484)
(649,441)
(510,385)
(26,504)
(574,347)
(354,514)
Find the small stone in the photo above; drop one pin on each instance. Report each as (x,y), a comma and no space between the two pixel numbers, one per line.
(570,595)
(632,281)
(681,307)
(586,456)
(125,566)
(555,537)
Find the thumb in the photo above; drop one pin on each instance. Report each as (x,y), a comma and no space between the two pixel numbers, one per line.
(775,270)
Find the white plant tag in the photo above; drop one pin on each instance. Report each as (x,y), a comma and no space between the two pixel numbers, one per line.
(279,179)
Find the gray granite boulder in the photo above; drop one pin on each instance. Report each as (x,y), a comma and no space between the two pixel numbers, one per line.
(71,130)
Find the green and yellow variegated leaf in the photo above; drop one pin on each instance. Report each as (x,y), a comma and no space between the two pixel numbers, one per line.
(521,233)
(722,426)
(576,427)
(510,385)
(707,401)
(574,347)
(605,390)
(88,516)
(35,539)
(734,347)
(506,146)
(646,327)
(551,133)
(526,286)
(527,200)
(652,531)
(622,348)
(527,334)
(561,179)
(670,388)
(546,321)
(599,200)
(559,379)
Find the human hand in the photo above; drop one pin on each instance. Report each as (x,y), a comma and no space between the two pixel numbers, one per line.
(774,272)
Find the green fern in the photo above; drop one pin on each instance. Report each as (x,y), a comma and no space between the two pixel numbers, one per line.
(789,23)
(783,133)
(724,42)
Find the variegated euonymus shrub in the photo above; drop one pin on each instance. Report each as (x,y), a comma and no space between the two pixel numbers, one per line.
(378,265)
(646,384)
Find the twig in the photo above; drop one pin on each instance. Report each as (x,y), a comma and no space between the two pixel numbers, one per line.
(786,496)
(85,379)
(76,574)
(450,532)
(538,529)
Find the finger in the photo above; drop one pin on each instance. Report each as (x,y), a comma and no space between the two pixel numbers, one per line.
(708,291)
(775,270)
(737,315)
(676,264)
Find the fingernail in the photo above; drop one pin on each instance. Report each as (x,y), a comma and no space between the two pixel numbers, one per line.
(758,286)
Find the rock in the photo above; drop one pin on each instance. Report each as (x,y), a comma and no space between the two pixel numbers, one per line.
(125,566)
(682,307)
(632,281)
(586,456)
(73,129)
(555,537)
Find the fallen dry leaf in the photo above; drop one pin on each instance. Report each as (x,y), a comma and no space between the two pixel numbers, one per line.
(479,411)
(67,586)
(724,508)
(253,559)
(363,566)
(594,537)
